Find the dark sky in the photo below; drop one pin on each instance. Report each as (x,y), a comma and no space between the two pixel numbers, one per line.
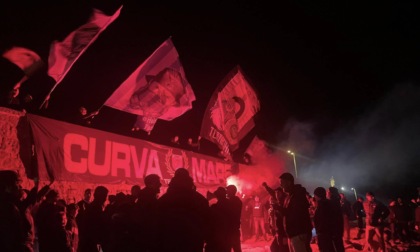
(338,82)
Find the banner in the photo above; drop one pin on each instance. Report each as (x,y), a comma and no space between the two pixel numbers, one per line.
(230,111)
(64,54)
(157,89)
(68,152)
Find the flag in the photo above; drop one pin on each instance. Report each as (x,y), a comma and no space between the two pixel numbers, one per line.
(157,89)
(230,111)
(257,150)
(64,54)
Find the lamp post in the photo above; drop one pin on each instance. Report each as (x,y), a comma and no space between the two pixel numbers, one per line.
(294,161)
(355,193)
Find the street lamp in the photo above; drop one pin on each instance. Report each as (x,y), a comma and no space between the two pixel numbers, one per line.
(355,193)
(294,161)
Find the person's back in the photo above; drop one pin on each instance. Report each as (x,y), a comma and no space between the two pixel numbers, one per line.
(322,220)
(235,206)
(219,224)
(144,214)
(183,215)
(94,222)
(337,218)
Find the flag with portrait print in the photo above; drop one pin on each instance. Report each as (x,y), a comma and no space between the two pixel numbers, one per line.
(157,89)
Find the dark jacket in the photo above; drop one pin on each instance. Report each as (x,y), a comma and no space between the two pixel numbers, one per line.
(296,212)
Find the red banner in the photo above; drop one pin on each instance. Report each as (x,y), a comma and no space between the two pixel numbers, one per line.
(68,152)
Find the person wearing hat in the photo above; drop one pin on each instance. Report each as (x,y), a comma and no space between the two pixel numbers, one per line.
(376,213)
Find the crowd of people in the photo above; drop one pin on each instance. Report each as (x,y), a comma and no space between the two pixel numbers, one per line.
(182,219)
(330,214)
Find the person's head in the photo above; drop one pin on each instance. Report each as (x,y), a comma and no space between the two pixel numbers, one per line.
(10,185)
(52,196)
(287,181)
(61,218)
(83,111)
(87,196)
(153,181)
(135,191)
(112,198)
(220,193)
(231,190)
(360,199)
(182,179)
(333,194)
(320,193)
(342,196)
(370,196)
(100,194)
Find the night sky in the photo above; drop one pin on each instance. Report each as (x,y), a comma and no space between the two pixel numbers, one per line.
(338,82)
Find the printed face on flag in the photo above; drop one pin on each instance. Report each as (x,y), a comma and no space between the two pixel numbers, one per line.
(157,88)
(162,92)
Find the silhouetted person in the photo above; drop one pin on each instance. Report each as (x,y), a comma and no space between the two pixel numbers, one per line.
(323,221)
(71,226)
(347,216)
(297,222)
(235,205)
(220,216)
(403,217)
(337,217)
(87,197)
(376,213)
(94,222)
(59,239)
(280,241)
(46,220)
(12,233)
(183,215)
(145,215)
(359,212)
(135,192)
(258,216)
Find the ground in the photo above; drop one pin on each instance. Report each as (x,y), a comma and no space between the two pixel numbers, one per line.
(354,245)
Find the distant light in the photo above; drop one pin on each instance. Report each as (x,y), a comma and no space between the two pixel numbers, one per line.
(343,188)
(352,189)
